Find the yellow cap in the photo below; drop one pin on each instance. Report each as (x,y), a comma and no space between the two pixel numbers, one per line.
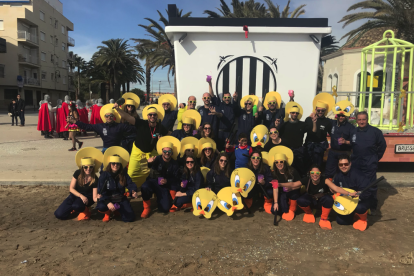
(188,121)
(115,159)
(166,100)
(189,146)
(321,105)
(295,109)
(271,99)
(152,110)
(207,145)
(167,145)
(130,102)
(280,156)
(87,161)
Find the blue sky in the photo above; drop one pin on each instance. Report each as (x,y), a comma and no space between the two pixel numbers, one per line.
(98,20)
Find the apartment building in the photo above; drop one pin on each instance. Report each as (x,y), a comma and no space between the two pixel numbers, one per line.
(38,56)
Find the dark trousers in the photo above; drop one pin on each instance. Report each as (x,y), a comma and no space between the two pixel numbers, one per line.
(362,207)
(284,199)
(221,140)
(162,192)
(332,162)
(181,200)
(127,214)
(315,153)
(299,161)
(306,200)
(72,203)
(14,117)
(22,119)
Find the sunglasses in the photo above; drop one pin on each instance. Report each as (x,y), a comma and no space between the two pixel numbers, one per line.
(294,113)
(129,105)
(186,125)
(206,98)
(272,103)
(165,104)
(189,162)
(343,164)
(208,149)
(313,172)
(273,132)
(255,157)
(279,162)
(227,97)
(88,167)
(115,164)
(341,115)
(192,102)
(167,151)
(109,116)
(207,128)
(247,104)
(190,150)
(152,115)
(320,110)
(223,160)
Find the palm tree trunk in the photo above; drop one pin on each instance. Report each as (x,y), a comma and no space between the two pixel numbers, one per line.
(78,90)
(148,79)
(123,88)
(111,90)
(128,87)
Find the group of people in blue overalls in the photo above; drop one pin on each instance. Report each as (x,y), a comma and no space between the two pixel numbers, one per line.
(223,129)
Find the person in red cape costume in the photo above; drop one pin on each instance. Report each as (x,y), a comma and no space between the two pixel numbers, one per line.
(83,115)
(61,115)
(96,116)
(44,123)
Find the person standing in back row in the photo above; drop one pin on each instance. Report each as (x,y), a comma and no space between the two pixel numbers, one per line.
(13,110)
(21,105)
(368,147)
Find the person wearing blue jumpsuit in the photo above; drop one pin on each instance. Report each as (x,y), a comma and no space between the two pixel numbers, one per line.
(170,116)
(180,134)
(350,177)
(368,147)
(163,168)
(219,175)
(269,116)
(111,132)
(207,116)
(110,187)
(340,143)
(194,178)
(246,120)
(225,114)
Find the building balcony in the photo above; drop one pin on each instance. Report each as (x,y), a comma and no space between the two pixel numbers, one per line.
(71,41)
(70,56)
(31,81)
(27,37)
(29,60)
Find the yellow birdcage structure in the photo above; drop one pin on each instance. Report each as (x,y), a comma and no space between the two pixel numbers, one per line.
(400,50)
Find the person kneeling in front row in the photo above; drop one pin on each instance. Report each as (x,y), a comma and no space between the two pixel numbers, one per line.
(316,195)
(111,187)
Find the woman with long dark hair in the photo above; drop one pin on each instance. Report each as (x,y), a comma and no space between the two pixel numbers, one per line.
(191,181)
(129,138)
(208,155)
(219,176)
(263,178)
(83,187)
(14,112)
(73,128)
(206,131)
(112,185)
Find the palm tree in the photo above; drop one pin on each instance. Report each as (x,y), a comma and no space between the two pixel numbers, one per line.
(325,50)
(80,64)
(144,53)
(117,58)
(252,9)
(159,48)
(393,14)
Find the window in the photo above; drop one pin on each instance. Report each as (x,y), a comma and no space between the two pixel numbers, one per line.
(35,75)
(42,15)
(43,56)
(63,46)
(56,23)
(51,21)
(64,80)
(2,70)
(52,59)
(63,29)
(43,75)
(51,39)
(42,36)
(56,42)
(1,25)
(64,63)
(52,76)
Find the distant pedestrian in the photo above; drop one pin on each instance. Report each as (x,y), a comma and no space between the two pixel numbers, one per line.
(20,107)
(13,110)
(73,128)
